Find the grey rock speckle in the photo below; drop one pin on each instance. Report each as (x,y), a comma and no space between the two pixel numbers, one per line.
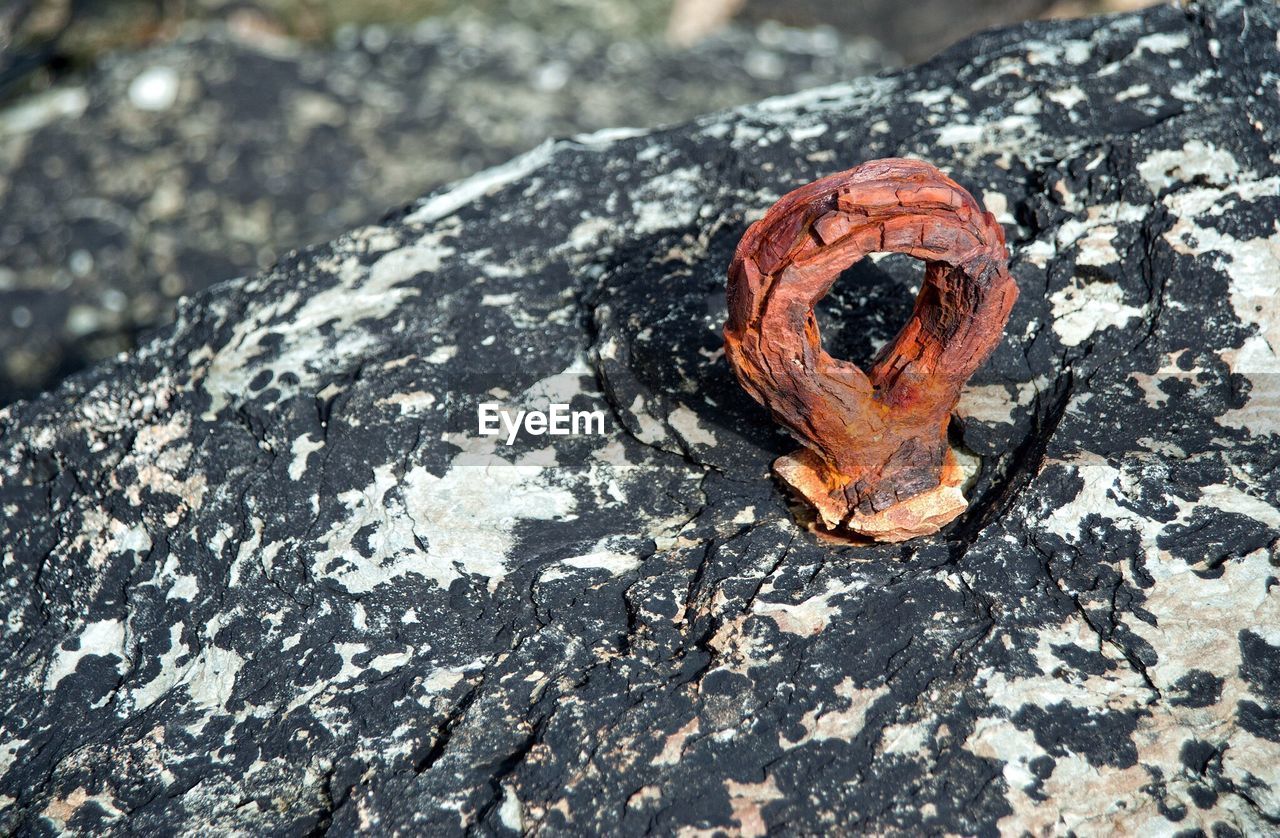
(259,577)
(167,170)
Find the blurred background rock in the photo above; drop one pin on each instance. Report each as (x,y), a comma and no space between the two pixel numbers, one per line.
(150,148)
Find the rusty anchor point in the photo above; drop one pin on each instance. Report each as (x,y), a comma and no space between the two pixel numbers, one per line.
(876,462)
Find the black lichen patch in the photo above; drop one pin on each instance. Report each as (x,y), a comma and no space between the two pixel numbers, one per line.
(1101,738)
(1197,688)
(1212,536)
(1260,664)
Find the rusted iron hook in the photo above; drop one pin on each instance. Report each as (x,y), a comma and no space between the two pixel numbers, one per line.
(876,461)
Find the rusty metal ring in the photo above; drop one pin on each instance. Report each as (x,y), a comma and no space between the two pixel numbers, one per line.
(876,459)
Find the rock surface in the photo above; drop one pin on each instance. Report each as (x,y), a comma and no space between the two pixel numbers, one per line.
(263,575)
(194,162)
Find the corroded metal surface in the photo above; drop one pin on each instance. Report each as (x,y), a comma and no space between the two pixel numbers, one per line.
(878,439)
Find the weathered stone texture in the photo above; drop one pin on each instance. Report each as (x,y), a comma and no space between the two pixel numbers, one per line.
(256,578)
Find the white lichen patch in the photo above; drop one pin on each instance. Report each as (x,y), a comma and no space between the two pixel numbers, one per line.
(905,739)
(301,449)
(686,425)
(651,431)
(1095,247)
(1118,689)
(994,404)
(809,616)
(1070,51)
(492,180)
(444,678)
(212,677)
(669,202)
(102,637)
(442,527)
(441,354)
(1067,97)
(843,722)
(1098,496)
(1162,43)
(1149,383)
(1083,308)
(1193,626)
(747,802)
(1195,160)
(171,673)
(1259,361)
(588,233)
(800,133)
(854,95)
(409,403)
(1136,91)
(437,527)
(961,134)
(1038,252)
(1250,265)
(998,205)
(999,138)
(1093,232)
(315,335)
(60,810)
(673,746)
(607,555)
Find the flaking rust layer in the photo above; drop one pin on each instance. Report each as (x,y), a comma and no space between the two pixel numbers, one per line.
(876,461)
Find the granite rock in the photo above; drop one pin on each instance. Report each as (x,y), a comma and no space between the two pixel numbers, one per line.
(263,575)
(167,170)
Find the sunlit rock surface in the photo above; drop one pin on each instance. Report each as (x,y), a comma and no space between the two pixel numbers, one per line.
(264,575)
